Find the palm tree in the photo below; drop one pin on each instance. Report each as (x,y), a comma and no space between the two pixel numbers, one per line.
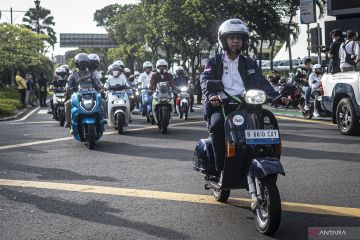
(39,20)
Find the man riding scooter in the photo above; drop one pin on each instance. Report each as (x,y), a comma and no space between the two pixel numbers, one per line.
(238,74)
(182,80)
(83,75)
(61,77)
(314,83)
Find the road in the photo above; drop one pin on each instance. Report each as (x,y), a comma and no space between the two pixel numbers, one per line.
(141,185)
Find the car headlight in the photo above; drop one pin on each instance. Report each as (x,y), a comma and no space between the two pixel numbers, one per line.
(255,97)
(119,101)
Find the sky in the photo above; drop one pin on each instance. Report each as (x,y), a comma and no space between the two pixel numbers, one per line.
(70,16)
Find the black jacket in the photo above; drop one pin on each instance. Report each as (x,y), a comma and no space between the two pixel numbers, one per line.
(249,72)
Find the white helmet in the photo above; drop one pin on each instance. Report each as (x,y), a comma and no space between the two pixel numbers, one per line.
(316,66)
(120,63)
(161,62)
(232,26)
(127,70)
(147,64)
(136,73)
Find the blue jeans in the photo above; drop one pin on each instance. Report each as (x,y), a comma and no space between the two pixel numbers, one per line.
(307,91)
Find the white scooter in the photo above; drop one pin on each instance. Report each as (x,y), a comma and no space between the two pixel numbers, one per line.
(163,105)
(183,102)
(118,107)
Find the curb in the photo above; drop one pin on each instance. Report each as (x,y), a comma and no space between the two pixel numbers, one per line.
(19,114)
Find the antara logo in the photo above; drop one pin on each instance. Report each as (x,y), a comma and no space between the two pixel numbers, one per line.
(332,233)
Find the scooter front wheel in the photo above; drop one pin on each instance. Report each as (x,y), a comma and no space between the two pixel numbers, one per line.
(120,123)
(221,195)
(268,212)
(91,132)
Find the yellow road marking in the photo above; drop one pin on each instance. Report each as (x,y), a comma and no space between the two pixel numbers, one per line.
(180,197)
(69,138)
(304,120)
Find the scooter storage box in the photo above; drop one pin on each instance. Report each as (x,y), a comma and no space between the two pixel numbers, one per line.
(203,158)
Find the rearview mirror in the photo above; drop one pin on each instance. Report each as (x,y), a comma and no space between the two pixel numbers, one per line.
(214,86)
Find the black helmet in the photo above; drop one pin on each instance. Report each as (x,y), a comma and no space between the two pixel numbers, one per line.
(81,61)
(94,61)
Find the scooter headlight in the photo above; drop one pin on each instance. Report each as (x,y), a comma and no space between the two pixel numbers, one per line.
(255,97)
(88,104)
(184,89)
(119,101)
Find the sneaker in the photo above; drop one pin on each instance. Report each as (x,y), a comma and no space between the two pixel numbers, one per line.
(316,114)
(105,121)
(67,125)
(306,107)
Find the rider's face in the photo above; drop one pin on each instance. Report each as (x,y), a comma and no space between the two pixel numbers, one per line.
(234,42)
(148,69)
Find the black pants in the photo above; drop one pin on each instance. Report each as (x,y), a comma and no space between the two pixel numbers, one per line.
(217,133)
(42,98)
(22,96)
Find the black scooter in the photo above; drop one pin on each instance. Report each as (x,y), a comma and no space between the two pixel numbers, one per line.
(252,159)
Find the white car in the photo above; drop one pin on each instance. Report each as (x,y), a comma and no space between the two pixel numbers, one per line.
(341,97)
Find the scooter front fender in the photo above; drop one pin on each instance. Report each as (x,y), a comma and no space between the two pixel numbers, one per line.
(263,167)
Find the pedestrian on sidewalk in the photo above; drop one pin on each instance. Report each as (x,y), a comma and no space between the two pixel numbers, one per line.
(21,85)
(29,90)
(43,89)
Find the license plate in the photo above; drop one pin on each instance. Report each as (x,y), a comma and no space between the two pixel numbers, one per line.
(262,136)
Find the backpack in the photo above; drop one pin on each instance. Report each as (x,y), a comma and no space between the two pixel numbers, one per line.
(345,57)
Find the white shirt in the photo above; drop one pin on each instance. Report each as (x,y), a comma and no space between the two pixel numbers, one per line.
(145,79)
(121,80)
(314,80)
(233,83)
(351,48)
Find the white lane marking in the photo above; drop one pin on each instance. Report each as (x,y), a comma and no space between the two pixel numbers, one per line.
(43,111)
(68,138)
(27,115)
(40,122)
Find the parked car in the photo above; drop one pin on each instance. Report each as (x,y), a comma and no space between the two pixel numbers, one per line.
(285,65)
(341,97)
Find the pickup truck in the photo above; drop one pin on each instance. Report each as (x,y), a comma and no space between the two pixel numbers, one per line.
(341,96)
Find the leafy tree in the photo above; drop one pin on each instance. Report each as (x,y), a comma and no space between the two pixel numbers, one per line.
(19,47)
(288,9)
(39,20)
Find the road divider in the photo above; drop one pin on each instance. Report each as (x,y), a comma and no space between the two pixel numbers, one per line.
(180,197)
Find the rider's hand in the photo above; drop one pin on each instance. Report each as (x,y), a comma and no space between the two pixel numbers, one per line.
(285,100)
(215,101)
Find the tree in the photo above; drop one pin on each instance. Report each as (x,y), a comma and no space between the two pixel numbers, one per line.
(288,8)
(39,20)
(19,47)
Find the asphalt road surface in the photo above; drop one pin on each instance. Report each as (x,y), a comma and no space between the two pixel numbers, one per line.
(141,185)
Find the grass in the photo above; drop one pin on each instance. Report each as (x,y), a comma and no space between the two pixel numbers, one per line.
(9,101)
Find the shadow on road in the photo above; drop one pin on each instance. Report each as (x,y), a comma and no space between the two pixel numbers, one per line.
(93,211)
(294,225)
(145,151)
(53,173)
(319,154)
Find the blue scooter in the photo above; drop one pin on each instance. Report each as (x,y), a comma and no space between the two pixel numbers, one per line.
(147,104)
(87,116)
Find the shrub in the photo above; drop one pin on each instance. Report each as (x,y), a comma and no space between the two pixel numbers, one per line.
(9,93)
(6,110)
